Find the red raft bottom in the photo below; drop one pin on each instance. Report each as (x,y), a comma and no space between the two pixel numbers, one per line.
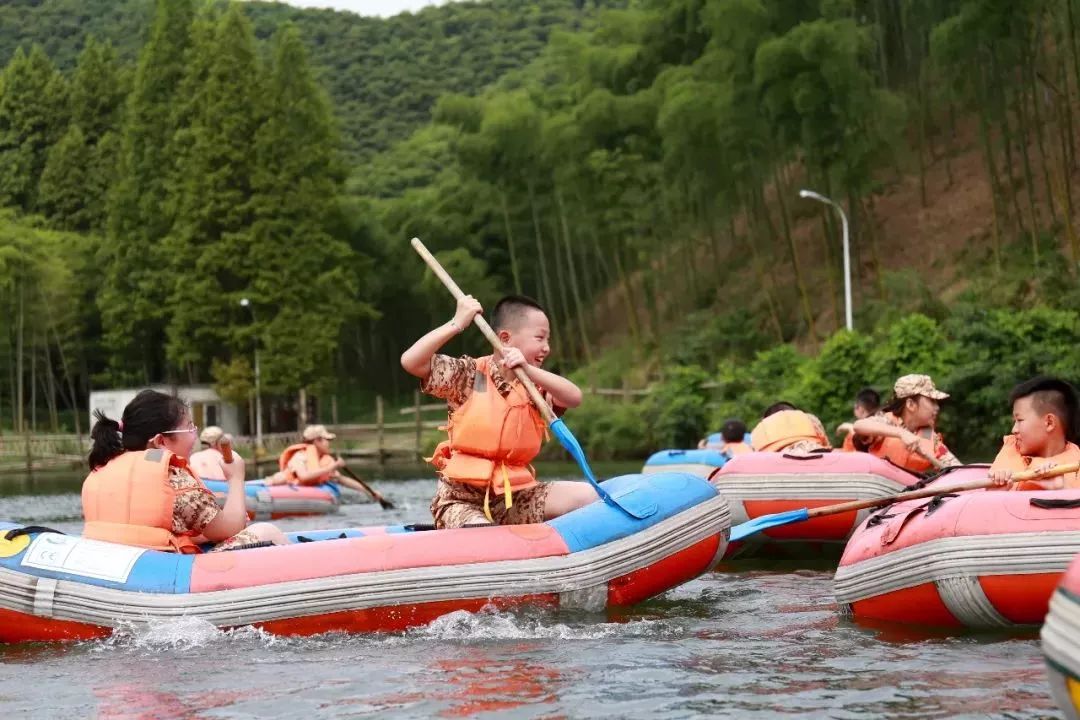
(1021,599)
(628,589)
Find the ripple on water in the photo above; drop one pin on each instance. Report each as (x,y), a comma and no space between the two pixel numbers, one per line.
(753,643)
(43,509)
(491,624)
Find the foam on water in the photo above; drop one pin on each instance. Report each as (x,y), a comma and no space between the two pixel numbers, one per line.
(491,624)
(181,633)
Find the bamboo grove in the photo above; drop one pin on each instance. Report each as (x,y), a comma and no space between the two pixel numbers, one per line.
(633,170)
(638,166)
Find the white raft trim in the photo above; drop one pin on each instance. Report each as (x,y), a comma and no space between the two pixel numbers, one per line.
(699,469)
(794,487)
(1061,646)
(948,561)
(265,505)
(572,575)
(773,486)
(968,603)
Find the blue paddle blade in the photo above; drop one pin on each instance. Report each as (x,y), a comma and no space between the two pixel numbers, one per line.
(765,522)
(632,506)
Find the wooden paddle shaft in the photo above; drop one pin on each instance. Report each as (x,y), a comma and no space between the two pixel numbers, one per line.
(440,272)
(931,491)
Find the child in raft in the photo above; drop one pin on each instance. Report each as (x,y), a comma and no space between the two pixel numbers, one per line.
(903,432)
(142,492)
(206,463)
(1043,434)
(494,430)
(785,428)
(312,463)
(732,437)
(867,404)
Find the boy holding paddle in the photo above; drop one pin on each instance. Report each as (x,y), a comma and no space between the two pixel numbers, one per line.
(1044,423)
(494,429)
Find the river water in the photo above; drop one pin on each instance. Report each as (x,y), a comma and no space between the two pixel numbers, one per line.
(752,642)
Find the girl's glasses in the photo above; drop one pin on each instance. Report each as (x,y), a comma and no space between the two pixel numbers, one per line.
(193,429)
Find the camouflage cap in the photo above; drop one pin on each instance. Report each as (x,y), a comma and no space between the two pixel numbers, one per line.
(912,385)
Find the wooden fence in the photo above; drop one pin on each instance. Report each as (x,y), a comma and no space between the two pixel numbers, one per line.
(380,441)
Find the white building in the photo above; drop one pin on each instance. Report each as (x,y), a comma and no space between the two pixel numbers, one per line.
(206,407)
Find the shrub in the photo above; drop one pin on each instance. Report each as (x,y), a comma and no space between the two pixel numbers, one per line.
(677,411)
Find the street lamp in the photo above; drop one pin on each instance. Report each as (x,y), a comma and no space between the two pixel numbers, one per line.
(811,195)
(244,302)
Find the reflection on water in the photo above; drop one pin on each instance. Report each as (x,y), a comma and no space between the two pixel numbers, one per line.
(755,642)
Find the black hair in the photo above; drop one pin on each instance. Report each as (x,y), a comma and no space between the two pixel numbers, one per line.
(509,311)
(150,413)
(733,431)
(777,407)
(869,399)
(896,405)
(1054,396)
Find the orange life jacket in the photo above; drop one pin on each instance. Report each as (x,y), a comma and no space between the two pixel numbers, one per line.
(129,500)
(1009,458)
(492,439)
(736,448)
(894,450)
(849,442)
(783,429)
(313,460)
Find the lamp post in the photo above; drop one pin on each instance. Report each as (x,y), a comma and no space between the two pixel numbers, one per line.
(811,195)
(244,302)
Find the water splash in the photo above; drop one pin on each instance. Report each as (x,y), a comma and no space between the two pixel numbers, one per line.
(182,633)
(492,624)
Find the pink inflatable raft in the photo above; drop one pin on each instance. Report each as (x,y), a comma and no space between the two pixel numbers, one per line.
(757,484)
(1061,642)
(269,502)
(980,559)
(61,587)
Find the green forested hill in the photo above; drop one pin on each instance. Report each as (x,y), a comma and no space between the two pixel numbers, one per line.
(640,177)
(384,75)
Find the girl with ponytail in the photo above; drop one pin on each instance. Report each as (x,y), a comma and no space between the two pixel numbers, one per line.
(140,490)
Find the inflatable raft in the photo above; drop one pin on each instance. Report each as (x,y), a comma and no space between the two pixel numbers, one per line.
(1061,642)
(982,559)
(269,502)
(702,462)
(757,484)
(55,587)
(696,462)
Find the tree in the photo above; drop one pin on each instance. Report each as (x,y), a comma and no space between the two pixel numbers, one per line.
(137,275)
(65,182)
(308,277)
(98,90)
(218,116)
(33,95)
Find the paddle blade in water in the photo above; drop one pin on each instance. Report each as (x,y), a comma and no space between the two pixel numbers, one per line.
(765,522)
(627,504)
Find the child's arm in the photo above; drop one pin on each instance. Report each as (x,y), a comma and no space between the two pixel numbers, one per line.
(877,428)
(563,392)
(417,359)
